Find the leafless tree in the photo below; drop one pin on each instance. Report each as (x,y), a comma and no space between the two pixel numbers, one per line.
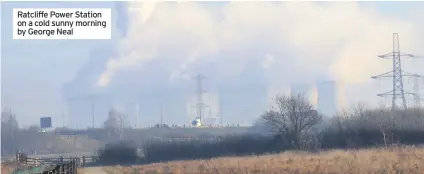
(387,122)
(9,129)
(112,123)
(8,119)
(112,120)
(115,122)
(291,117)
(360,118)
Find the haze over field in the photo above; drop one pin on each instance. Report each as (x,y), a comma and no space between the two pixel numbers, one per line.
(255,48)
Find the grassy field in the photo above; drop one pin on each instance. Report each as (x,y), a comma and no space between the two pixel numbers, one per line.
(6,168)
(393,160)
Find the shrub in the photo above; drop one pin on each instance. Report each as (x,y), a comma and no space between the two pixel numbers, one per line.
(118,153)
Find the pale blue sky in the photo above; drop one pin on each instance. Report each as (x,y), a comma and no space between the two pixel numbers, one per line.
(34,71)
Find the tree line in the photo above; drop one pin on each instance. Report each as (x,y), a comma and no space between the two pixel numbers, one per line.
(290,124)
(293,124)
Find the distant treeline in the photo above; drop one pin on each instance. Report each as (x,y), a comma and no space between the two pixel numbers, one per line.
(33,140)
(295,125)
(356,128)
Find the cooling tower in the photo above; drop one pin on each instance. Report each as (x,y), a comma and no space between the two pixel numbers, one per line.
(327,97)
(242,103)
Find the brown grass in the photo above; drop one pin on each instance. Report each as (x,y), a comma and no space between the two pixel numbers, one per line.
(392,160)
(7,168)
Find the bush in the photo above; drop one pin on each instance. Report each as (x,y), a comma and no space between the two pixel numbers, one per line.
(118,153)
(198,148)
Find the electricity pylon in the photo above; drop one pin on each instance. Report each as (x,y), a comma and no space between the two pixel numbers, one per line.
(397,74)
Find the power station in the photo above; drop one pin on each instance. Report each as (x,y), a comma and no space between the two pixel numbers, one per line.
(323,95)
(327,97)
(241,101)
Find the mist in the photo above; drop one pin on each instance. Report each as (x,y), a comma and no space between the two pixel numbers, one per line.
(257,47)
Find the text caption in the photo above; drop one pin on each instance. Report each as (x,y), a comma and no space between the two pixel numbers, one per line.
(62,23)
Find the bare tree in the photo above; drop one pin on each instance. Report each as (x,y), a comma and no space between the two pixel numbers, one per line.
(8,119)
(115,122)
(112,120)
(291,117)
(111,124)
(9,129)
(387,122)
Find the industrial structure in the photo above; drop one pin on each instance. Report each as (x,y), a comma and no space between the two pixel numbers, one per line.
(196,122)
(327,97)
(199,95)
(200,105)
(324,95)
(417,94)
(242,100)
(398,93)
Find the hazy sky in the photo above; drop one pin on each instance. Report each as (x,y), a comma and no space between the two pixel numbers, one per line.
(278,43)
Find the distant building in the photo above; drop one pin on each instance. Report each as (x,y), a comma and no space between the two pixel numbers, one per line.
(196,122)
(210,111)
(327,97)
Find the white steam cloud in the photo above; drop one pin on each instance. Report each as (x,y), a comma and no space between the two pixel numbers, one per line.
(310,39)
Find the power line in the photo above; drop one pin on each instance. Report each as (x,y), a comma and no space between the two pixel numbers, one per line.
(92,113)
(63,116)
(161,113)
(397,74)
(220,113)
(137,110)
(417,95)
(199,93)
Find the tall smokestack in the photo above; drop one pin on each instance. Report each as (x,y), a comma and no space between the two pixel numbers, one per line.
(327,97)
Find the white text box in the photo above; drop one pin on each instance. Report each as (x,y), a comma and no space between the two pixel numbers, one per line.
(62,23)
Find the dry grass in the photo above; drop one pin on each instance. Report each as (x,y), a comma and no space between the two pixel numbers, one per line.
(392,160)
(7,168)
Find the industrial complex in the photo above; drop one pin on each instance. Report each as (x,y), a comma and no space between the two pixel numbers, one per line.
(195,104)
